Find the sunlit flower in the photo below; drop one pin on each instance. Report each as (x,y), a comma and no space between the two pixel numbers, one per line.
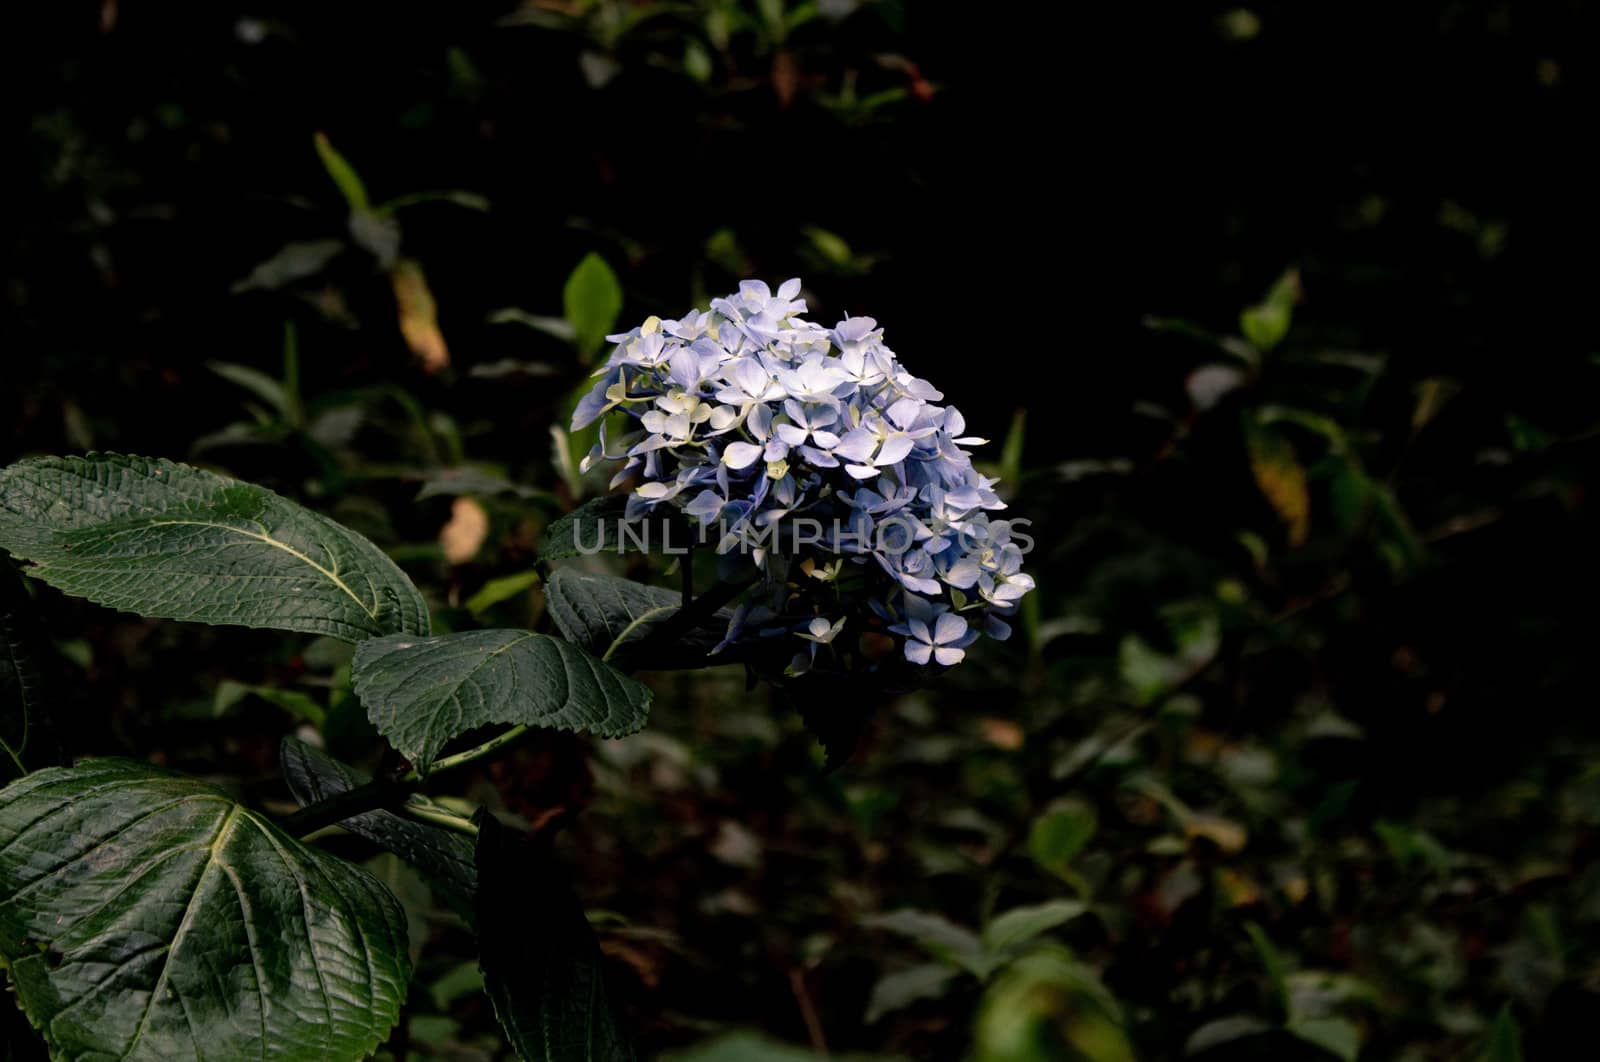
(748,416)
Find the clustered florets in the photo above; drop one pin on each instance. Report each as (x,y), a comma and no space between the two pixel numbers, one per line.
(749,417)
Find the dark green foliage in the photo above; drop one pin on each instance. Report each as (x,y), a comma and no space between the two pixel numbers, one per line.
(597,527)
(628,620)
(164,539)
(25,737)
(444,857)
(544,973)
(421,693)
(149,916)
(1297,358)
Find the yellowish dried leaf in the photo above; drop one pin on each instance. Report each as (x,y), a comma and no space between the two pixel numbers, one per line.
(1281,477)
(419,315)
(464,534)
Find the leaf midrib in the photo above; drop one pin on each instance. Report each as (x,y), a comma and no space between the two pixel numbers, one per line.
(331,575)
(185,924)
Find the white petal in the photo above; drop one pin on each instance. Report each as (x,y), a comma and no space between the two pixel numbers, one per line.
(740,455)
(893,450)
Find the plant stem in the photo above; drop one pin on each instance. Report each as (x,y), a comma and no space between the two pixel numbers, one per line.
(472,755)
(390,793)
(378,793)
(442,819)
(693,614)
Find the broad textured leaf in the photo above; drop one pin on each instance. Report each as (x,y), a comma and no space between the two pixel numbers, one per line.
(163,539)
(445,858)
(540,959)
(147,916)
(23,740)
(598,612)
(420,693)
(598,526)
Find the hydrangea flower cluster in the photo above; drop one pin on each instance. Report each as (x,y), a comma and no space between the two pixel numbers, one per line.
(750,419)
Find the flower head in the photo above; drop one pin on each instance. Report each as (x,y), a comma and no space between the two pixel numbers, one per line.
(749,417)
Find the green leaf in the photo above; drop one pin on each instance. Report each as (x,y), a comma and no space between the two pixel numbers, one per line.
(1057,836)
(147,916)
(469,480)
(1011,450)
(23,696)
(1412,847)
(297,703)
(1505,1039)
(1266,324)
(598,526)
(603,614)
(541,961)
(504,588)
(422,693)
(1225,1031)
(1272,962)
(292,262)
(1018,926)
(1337,1036)
(902,988)
(836,709)
(164,539)
(938,936)
(742,1046)
(592,300)
(344,175)
(255,381)
(598,611)
(1049,1005)
(445,858)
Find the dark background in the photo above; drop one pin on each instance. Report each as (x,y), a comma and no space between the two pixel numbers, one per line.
(1027,196)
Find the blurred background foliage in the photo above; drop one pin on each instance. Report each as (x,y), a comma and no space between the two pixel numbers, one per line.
(1277,316)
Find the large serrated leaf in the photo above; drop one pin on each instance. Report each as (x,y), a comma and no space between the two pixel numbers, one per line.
(445,858)
(600,526)
(607,615)
(147,916)
(420,693)
(164,539)
(540,958)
